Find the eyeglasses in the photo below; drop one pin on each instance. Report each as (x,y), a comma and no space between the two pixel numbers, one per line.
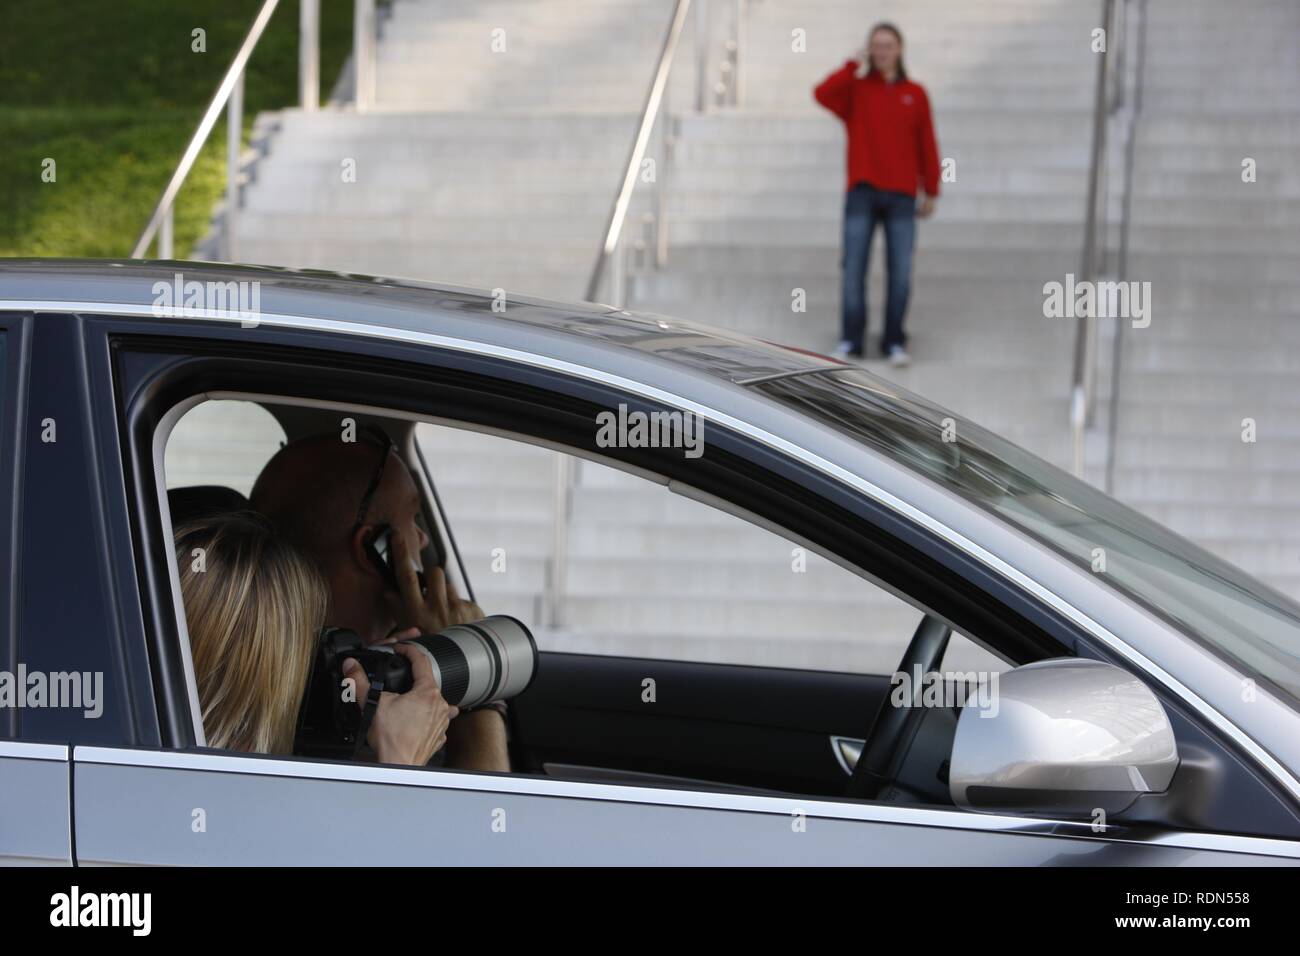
(375,434)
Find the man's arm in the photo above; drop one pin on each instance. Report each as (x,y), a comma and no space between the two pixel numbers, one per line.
(477,741)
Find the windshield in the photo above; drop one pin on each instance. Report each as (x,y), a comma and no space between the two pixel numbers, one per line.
(1254,627)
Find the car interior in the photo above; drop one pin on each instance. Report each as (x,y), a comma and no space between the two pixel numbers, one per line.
(716,726)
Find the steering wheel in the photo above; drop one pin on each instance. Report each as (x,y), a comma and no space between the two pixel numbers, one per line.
(894,727)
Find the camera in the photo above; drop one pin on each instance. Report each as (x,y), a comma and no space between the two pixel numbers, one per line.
(474,664)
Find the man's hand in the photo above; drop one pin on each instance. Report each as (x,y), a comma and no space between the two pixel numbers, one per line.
(925,208)
(436,609)
(408,728)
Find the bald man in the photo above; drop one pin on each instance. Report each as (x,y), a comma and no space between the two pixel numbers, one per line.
(330,496)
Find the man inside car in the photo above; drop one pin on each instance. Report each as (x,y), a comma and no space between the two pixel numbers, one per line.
(333,498)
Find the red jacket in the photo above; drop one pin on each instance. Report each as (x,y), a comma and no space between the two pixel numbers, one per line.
(891,135)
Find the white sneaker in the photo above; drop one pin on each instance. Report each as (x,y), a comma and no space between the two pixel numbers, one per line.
(898,357)
(843,351)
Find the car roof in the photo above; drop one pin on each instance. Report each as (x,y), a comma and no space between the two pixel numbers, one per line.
(411,305)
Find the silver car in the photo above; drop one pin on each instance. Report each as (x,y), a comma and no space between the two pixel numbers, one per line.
(1145,706)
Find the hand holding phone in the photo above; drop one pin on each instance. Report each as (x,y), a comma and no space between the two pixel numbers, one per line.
(430,607)
(381,554)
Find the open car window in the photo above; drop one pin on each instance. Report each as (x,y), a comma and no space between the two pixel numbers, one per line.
(612,563)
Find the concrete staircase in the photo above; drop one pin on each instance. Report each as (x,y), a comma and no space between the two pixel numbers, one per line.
(478,166)
(1222,84)
(490,201)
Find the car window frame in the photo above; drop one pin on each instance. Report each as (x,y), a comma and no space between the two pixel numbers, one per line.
(209,390)
(14,341)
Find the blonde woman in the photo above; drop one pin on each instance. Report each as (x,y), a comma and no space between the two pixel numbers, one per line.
(254,605)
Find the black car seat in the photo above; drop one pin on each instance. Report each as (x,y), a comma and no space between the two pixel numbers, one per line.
(203,501)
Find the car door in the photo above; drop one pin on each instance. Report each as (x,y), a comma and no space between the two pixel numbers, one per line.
(159,807)
(180,803)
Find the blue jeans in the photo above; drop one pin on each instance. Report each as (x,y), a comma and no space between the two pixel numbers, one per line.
(865,207)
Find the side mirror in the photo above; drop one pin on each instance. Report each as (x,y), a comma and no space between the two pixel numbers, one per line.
(1064,737)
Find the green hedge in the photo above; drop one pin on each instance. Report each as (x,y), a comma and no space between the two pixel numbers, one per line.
(111,91)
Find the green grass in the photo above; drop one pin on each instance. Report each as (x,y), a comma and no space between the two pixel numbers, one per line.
(111,91)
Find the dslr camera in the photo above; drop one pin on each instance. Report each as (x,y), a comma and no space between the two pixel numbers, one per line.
(474,664)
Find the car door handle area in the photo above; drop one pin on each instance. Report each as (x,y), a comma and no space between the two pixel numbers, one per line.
(847,750)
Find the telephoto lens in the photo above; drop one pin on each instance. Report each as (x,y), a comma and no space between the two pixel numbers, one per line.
(491,659)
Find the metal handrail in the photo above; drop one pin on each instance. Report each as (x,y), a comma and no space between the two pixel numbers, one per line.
(231,85)
(742,65)
(553,598)
(1083,370)
(649,114)
(1121,265)
(703,37)
(363,55)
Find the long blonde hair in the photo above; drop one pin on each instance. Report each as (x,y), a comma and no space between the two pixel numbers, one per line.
(254,605)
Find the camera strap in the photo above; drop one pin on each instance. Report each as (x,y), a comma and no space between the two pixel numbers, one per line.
(368,710)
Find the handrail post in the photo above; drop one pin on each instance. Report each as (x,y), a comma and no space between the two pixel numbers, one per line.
(1078,421)
(649,112)
(1118,70)
(1083,372)
(618,283)
(309,55)
(738,78)
(702,39)
(166,240)
(662,176)
(234,145)
(233,75)
(1126,216)
(363,54)
(668,145)
(556,579)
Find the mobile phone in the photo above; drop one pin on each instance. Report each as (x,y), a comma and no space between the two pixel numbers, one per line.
(381,555)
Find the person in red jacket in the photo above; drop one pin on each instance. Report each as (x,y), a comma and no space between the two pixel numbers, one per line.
(891,152)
